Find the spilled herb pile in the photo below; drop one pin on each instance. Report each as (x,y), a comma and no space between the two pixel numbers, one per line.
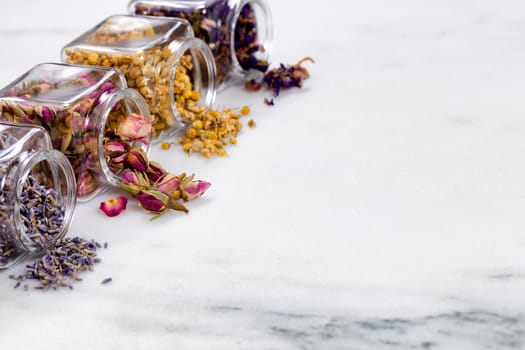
(282,78)
(61,265)
(156,190)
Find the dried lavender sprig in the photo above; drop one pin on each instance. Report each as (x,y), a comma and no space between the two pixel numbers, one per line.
(60,266)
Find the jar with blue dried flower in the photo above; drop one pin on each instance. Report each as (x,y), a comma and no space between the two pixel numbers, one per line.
(239,32)
(160,57)
(91,116)
(37,192)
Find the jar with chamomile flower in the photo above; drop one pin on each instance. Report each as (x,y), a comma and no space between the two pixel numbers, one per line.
(159,57)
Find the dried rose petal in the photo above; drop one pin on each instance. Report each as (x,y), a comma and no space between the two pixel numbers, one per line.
(194,189)
(114,206)
(134,127)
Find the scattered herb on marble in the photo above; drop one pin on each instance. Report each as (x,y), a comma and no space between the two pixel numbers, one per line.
(210,131)
(61,265)
(216,33)
(165,145)
(282,78)
(114,206)
(158,190)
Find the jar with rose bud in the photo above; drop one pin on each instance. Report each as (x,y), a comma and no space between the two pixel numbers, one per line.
(91,116)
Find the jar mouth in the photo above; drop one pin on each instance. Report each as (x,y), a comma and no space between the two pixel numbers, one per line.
(202,77)
(264,37)
(133,103)
(44,200)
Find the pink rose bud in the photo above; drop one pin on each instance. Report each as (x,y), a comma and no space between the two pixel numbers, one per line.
(130,178)
(86,184)
(46,114)
(116,151)
(149,202)
(155,172)
(194,189)
(168,184)
(114,206)
(137,160)
(134,128)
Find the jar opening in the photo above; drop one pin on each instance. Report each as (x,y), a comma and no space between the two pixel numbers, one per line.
(112,150)
(44,201)
(253,37)
(192,81)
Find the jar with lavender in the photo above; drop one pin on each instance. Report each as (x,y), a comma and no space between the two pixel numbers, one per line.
(239,32)
(37,192)
(91,116)
(160,57)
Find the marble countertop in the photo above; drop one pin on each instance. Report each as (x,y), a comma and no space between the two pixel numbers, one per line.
(381,207)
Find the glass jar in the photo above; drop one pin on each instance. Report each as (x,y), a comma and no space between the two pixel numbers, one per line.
(160,57)
(82,108)
(239,32)
(37,196)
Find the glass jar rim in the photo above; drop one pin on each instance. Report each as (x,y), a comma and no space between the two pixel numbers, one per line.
(61,171)
(262,8)
(201,53)
(126,95)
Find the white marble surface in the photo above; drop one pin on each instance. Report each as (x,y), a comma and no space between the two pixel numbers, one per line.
(379,208)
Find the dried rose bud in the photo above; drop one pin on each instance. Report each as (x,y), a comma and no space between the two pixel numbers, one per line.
(114,206)
(177,206)
(86,184)
(194,189)
(44,113)
(116,151)
(40,88)
(137,160)
(130,178)
(168,184)
(134,127)
(149,202)
(155,172)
